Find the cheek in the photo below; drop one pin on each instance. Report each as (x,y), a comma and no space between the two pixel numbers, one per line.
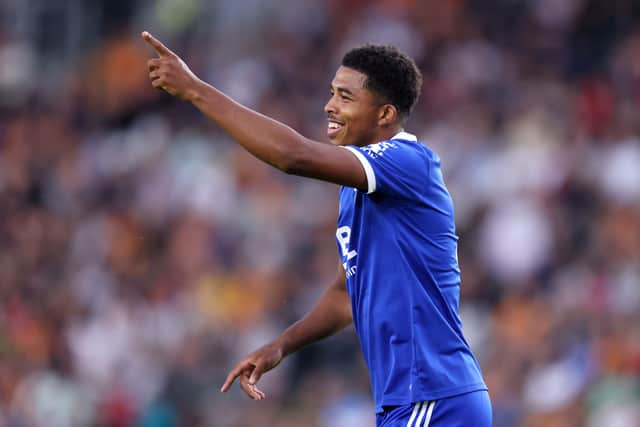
(365,123)
(360,129)
(362,119)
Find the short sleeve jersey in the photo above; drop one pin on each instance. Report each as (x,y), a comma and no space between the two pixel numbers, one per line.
(398,246)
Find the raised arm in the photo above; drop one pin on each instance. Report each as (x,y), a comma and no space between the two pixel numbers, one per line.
(330,314)
(267,139)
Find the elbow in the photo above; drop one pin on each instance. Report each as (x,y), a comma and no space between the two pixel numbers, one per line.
(290,167)
(286,164)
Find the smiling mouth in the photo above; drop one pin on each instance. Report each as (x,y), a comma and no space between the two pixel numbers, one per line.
(333,128)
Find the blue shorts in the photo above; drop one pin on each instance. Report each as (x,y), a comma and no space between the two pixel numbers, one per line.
(469,409)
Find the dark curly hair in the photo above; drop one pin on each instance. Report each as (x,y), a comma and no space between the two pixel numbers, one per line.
(390,73)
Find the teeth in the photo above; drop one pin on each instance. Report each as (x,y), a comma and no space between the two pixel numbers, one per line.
(333,125)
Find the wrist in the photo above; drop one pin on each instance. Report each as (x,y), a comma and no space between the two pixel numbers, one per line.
(283,345)
(195,93)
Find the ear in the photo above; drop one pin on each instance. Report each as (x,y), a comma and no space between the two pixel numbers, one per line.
(387,115)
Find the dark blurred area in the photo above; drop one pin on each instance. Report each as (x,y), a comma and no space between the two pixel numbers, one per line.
(142,254)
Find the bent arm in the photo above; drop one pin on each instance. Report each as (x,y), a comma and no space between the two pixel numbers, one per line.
(276,143)
(267,139)
(331,314)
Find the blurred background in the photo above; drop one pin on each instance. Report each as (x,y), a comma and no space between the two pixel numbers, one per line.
(142,254)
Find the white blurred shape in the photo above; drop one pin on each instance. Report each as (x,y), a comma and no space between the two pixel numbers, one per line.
(46,398)
(349,411)
(475,62)
(516,239)
(552,387)
(616,415)
(382,28)
(619,171)
(556,14)
(245,80)
(17,71)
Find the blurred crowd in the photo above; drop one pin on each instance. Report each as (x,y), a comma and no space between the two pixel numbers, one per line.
(142,254)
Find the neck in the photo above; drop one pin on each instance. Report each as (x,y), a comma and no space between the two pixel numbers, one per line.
(387,133)
(379,136)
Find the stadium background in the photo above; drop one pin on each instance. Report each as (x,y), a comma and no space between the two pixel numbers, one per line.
(142,253)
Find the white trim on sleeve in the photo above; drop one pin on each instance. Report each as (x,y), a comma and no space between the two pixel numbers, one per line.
(368,170)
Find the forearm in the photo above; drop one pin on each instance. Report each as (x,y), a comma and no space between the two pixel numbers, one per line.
(267,139)
(331,314)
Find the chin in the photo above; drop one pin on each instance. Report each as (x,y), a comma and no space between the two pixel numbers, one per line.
(335,141)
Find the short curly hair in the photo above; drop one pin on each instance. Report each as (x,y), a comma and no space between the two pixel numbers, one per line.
(390,74)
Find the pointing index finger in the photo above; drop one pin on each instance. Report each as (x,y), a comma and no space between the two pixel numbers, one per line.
(156,44)
(231,378)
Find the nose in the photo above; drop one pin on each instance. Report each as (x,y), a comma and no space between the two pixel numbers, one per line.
(330,107)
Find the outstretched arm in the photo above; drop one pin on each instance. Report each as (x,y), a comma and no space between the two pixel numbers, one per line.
(267,139)
(331,314)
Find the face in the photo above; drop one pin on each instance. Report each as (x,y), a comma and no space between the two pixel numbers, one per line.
(352,111)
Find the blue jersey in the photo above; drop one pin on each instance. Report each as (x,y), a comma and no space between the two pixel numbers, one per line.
(398,247)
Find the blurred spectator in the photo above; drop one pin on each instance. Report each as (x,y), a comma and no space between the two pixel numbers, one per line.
(142,253)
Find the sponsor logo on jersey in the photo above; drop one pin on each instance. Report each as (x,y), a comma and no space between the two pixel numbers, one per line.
(376,150)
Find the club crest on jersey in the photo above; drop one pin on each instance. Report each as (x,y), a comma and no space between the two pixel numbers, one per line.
(376,150)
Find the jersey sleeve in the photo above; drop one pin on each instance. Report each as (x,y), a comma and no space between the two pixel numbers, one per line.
(393,168)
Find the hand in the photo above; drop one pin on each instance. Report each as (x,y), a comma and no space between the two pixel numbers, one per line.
(251,368)
(169,72)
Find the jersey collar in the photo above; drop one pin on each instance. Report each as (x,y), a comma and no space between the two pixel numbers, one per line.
(405,136)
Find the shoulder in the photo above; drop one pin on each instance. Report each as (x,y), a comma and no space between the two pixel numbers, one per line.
(403,143)
(421,149)
(379,149)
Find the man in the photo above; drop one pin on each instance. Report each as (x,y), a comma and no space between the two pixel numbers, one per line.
(398,279)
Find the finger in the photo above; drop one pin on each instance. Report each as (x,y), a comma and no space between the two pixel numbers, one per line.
(257,393)
(158,84)
(257,372)
(260,395)
(154,63)
(250,389)
(154,74)
(235,372)
(161,49)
